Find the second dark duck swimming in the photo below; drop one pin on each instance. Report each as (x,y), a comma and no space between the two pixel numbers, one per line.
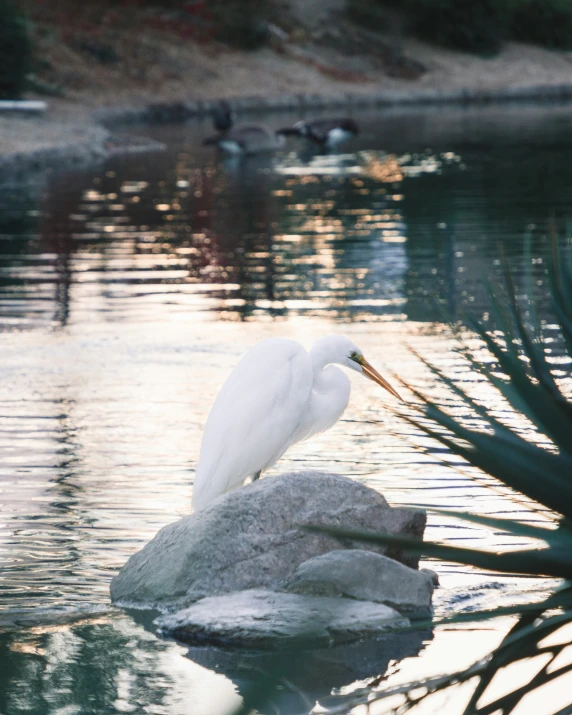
(324,132)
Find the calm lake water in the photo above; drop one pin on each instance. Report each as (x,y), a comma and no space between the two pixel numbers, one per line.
(128,292)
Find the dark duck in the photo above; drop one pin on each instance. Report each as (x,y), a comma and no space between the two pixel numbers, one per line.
(324,132)
(242,139)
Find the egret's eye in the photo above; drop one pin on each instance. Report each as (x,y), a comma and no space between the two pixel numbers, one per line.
(356,357)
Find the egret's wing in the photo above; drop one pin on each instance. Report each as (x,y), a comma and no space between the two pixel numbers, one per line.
(254,417)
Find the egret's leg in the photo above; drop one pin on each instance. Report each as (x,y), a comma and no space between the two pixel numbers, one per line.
(256,475)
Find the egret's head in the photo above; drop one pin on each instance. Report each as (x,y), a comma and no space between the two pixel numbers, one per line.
(341,350)
(361,364)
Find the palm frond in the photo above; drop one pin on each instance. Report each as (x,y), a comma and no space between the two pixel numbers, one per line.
(555,561)
(511,526)
(522,642)
(539,467)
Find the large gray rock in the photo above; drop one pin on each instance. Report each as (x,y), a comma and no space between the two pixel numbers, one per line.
(250,538)
(263,619)
(366,576)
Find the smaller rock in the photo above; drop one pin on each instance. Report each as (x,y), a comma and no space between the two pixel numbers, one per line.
(366,576)
(265,620)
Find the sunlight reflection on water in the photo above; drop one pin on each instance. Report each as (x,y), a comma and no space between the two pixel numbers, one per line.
(128,293)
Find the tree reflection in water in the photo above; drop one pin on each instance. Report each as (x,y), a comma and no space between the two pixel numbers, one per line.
(100,416)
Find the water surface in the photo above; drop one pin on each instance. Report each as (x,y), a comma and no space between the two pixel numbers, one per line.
(128,292)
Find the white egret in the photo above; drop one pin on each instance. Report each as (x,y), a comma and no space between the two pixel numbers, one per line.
(277,395)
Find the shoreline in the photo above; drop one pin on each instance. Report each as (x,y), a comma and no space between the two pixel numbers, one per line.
(186,109)
(135,70)
(48,141)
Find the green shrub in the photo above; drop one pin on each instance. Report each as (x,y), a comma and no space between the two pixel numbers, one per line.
(543,22)
(241,23)
(478,26)
(15,51)
(378,16)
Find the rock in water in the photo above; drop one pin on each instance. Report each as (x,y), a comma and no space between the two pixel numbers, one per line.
(250,538)
(365,576)
(262,619)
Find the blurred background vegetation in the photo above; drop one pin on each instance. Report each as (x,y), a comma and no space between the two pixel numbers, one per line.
(15,51)
(478,26)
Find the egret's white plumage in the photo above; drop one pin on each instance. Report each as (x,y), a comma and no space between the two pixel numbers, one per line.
(277,395)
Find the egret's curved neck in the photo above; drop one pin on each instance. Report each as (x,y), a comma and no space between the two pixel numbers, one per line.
(330,392)
(320,359)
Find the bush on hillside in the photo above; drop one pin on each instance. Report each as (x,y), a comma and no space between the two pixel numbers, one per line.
(15,51)
(241,23)
(543,22)
(478,26)
(378,16)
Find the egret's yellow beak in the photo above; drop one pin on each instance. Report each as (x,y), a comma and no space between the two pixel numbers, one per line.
(374,375)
